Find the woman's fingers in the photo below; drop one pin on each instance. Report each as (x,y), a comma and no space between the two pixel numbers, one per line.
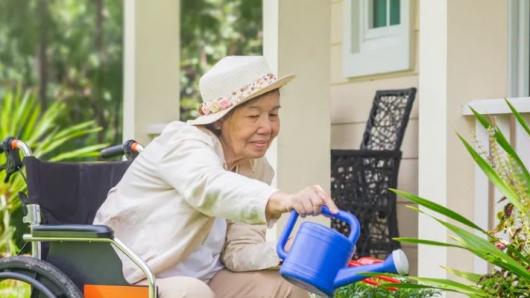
(310,200)
(307,207)
(316,202)
(327,199)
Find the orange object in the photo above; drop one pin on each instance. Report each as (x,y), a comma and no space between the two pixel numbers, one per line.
(373,281)
(14,145)
(106,291)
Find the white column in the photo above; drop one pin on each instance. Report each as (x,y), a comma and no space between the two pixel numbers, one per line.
(451,73)
(432,158)
(151,65)
(296,40)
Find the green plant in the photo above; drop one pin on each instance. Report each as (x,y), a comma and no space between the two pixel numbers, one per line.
(14,289)
(21,116)
(507,246)
(363,290)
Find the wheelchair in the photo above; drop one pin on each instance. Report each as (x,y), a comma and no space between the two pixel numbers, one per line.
(70,257)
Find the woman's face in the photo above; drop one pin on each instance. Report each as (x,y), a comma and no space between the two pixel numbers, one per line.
(249,130)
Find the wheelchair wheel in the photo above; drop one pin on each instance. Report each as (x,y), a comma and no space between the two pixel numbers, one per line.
(44,278)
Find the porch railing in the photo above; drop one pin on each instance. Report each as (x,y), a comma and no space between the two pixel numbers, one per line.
(486,196)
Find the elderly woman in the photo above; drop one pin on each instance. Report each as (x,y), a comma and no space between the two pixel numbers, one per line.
(195,203)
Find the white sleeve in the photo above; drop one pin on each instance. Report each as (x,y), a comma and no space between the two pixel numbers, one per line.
(193,168)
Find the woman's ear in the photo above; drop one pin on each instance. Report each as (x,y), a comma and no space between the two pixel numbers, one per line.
(217,125)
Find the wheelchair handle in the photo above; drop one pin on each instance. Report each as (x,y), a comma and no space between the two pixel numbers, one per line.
(116,150)
(12,144)
(128,148)
(11,147)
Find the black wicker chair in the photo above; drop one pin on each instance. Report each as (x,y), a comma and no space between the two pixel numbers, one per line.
(360,179)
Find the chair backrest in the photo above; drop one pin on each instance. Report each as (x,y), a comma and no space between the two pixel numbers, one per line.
(388,119)
(71,193)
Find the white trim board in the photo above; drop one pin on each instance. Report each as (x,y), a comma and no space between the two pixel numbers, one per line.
(497,106)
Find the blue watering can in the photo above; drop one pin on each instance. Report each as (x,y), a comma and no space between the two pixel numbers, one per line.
(317,260)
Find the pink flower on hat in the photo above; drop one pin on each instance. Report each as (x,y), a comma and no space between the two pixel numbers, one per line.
(224,103)
(203,110)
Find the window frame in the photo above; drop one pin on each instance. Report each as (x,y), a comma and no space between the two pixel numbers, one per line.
(519,48)
(370,51)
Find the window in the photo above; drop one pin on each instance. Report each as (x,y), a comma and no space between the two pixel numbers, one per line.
(376,37)
(519,48)
(384,13)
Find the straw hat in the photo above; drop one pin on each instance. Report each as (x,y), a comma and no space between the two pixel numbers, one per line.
(232,81)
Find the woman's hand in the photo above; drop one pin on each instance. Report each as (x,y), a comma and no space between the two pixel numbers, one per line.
(306,202)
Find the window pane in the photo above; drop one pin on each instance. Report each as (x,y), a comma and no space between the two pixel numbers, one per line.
(394,12)
(379,13)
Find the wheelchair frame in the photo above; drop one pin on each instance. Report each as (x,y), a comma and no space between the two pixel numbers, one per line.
(52,232)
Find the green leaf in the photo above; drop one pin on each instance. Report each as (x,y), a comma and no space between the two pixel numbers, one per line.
(31,123)
(438,208)
(472,277)
(518,116)
(426,242)
(485,250)
(504,144)
(437,283)
(493,176)
(89,151)
(66,135)
(46,122)
(518,254)
(76,128)
(481,119)
(6,112)
(21,113)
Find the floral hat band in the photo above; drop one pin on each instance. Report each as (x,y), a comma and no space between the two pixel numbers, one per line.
(233,81)
(225,102)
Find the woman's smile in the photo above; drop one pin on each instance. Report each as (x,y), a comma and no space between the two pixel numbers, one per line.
(261,145)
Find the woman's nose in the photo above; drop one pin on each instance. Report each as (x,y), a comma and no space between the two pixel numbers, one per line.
(265,126)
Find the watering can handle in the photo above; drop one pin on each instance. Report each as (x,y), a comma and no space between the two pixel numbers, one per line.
(349,218)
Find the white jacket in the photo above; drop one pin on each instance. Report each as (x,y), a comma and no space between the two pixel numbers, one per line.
(164,206)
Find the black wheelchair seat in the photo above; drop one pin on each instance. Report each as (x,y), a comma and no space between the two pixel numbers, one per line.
(71,193)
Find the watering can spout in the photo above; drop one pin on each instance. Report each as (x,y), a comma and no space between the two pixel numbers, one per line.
(395,263)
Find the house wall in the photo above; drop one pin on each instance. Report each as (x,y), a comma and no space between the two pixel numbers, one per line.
(351,100)
(464,57)
(477,41)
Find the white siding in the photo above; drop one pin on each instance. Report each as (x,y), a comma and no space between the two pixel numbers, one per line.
(351,100)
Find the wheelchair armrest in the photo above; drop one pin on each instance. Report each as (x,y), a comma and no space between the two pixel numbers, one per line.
(74,231)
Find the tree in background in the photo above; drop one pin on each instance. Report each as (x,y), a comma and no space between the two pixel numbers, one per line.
(71,51)
(68,51)
(210,30)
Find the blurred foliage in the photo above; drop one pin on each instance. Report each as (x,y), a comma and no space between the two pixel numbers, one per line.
(67,51)
(14,289)
(210,30)
(71,51)
(21,116)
